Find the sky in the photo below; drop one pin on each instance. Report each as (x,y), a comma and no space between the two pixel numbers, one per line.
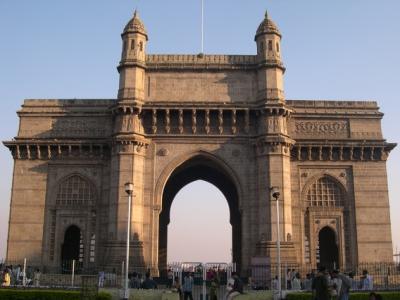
(339,50)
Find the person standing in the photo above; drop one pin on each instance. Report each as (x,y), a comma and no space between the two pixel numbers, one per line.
(367,282)
(346,286)
(188,286)
(214,285)
(101,279)
(135,281)
(36,278)
(177,287)
(296,282)
(307,283)
(6,278)
(149,283)
(170,278)
(275,284)
(289,279)
(237,287)
(320,285)
(336,285)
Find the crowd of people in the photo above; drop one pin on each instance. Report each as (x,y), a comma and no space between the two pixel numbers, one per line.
(15,275)
(333,285)
(215,277)
(324,285)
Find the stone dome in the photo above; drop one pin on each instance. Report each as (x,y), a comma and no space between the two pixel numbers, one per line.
(135,25)
(267,26)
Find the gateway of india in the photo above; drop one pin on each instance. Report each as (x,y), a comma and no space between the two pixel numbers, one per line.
(180,118)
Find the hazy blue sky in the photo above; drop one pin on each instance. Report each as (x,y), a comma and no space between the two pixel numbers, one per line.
(70,49)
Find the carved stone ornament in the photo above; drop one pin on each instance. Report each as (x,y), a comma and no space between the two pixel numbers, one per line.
(139,148)
(207,121)
(220,121)
(77,128)
(194,121)
(234,121)
(163,152)
(167,122)
(154,121)
(331,128)
(180,121)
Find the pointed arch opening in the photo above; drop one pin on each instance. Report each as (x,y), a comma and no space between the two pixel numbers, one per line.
(72,247)
(328,248)
(200,167)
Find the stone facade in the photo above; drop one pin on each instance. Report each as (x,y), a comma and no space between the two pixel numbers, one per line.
(179,118)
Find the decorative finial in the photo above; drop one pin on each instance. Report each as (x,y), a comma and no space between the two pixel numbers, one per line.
(135,14)
(266,14)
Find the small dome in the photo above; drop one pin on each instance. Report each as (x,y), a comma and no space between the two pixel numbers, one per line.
(135,25)
(267,26)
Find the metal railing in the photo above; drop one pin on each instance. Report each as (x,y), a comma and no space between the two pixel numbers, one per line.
(385,276)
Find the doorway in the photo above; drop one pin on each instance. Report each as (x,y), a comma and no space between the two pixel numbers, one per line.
(72,247)
(328,248)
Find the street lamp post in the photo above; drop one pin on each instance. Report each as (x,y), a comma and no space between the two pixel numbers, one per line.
(129,191)
(275,194)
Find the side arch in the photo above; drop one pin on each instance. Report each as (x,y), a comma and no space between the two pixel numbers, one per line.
(326,204)
(71,202)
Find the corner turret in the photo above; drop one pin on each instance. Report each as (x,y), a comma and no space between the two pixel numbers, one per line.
(132,67)
(271,69)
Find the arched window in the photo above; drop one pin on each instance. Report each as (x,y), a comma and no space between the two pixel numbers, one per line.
(269,45)
(141,46)
(133,45)
(325,192)
(75,191)
(277,47)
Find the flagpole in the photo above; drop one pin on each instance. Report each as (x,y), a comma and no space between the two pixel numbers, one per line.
(202,26)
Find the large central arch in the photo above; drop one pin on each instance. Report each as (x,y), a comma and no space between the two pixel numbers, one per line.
(200,167)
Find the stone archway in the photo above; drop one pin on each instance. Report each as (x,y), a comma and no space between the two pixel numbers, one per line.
(328,248)
(200,167)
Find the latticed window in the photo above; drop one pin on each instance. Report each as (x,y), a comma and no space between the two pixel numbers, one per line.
(325,193)
(75,191)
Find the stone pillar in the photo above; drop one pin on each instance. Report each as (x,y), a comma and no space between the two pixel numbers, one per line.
(127,165)
(273,159)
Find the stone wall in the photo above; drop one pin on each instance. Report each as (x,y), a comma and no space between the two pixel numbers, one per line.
(58,138)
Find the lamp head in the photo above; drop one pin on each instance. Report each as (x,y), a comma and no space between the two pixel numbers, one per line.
(129,188)
(275,192)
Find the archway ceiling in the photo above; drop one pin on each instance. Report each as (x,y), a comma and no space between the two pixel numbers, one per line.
(201,168)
